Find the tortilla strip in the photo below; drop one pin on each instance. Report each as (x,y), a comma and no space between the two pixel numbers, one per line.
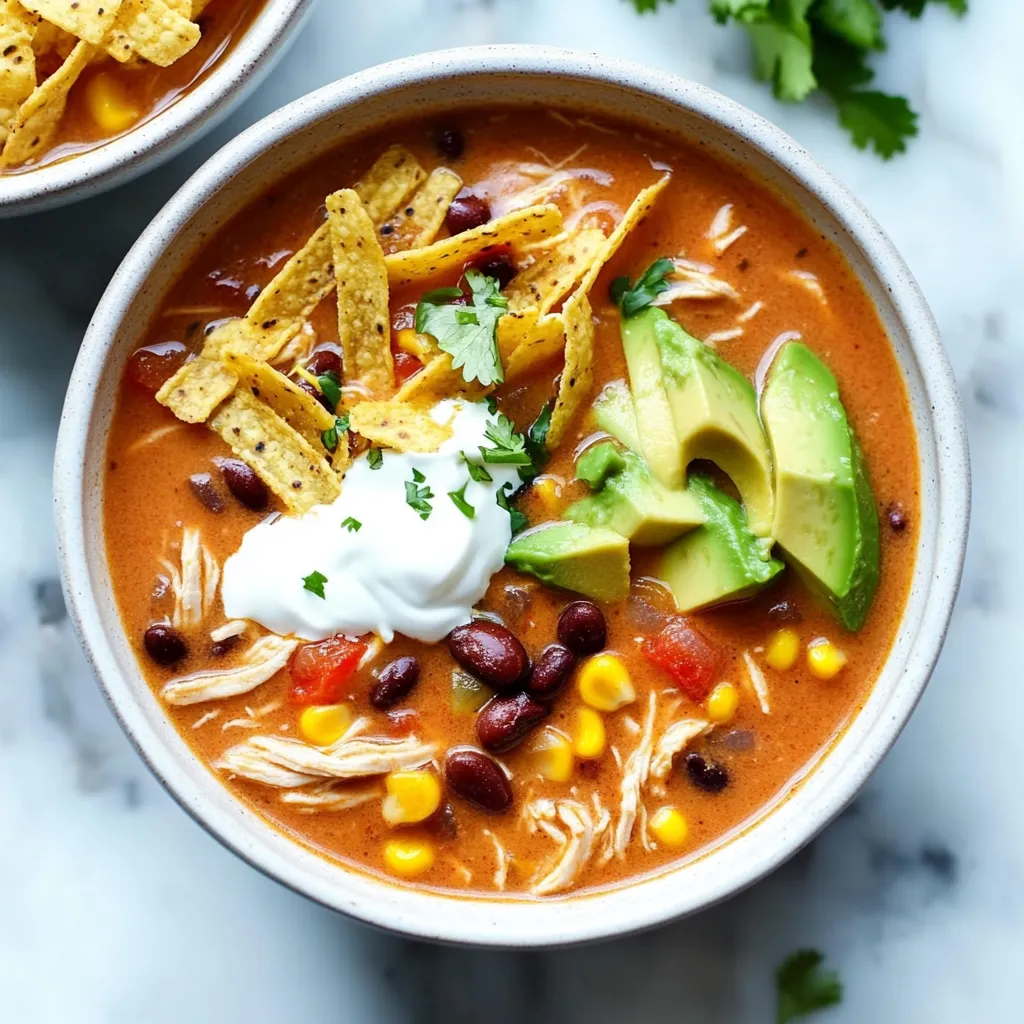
(556,272)
(395,175)
(400,426)
(437,380)
(280,456)
(516,228)
(17,62)
(417,223)
(39,115)
(89,20)
(364,320)
(544,341)
(154,31)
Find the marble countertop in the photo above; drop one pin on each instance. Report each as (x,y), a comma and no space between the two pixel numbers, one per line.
(115,907)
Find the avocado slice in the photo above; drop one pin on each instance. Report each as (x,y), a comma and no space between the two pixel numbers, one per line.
(826,521)
(655,426)
(720,561)
(614,413)
(590,560)
(714,412)
(628,500)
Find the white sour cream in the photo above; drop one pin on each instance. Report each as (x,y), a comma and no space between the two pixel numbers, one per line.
(397,573)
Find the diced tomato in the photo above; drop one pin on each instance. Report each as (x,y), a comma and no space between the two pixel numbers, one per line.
(323,673)
(406,365)
(688,656)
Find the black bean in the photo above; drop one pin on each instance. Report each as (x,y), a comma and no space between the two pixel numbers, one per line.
(581,627)
(244,484)
(550,672)
(897,518)
(491,652)
(707,775)
(477,778)
(785,611)
(467,212)
(451,143)
(499,265)
(204,489)
(221,647)
(503,721)
(164,644)
(325,359)
(313,392)
(396,680)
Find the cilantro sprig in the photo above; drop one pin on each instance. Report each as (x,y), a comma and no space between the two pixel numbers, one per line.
(509,446)
(518,519)
(419,498)
(632,298)
(476,471)
(314,583)
(330,388)
(467,332)
(801,46)
(803,986)
(330,436)
(375,457)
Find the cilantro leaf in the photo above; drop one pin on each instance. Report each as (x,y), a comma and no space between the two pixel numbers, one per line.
(352,525)
(375,457)
(459,501)
(741,10)
(509,447)
(915,8)
(838,66)
(631,299)
(330,436)
(519,520)
(330,387)
(536,442)
(783,50)
(643,6)
(878,120)
(804,987)
(418,498)
(467,332)
(476,471)
(859,22)
(314,583)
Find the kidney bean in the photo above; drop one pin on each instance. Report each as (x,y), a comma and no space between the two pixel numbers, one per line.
(395,681)
(451,143)
(581,627)
(204,489)
(491,652)
(243,483)
(313,392)
(477,778)
(503,721)
(707,775)
(467,212)
(550,671)
(498,265)
(151,365)
(325,359)
(222,647)
(164,644)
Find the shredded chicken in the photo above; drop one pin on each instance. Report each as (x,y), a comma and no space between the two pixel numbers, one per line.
(329,797)
(153,436)
(730,335)
(692,280)
(810,282)
(194,584)
(502,858)
(674,740)
(749,314)
(574,848)
(721,233)
(289,763)
(634,776)
(236,627)
(758,683)
(203,719)
(264,660)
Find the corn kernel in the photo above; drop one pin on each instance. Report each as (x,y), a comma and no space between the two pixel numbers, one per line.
(604,683)
(783,649)
(551,755)
(824,659)
(416,344)
(412,796)
(109,104)
(669,827)
(588,734)
(549,492)
(324,724)
(722,702)
(408,857)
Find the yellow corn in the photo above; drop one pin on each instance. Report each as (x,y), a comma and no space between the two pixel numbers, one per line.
(109,104)
(412,796)
(549,492)
(722,702)
(418,345)
(669,827)
(408,857)
(604,683)
(824,659)
(551,754)
(588,734)
(783,649)
(324,724)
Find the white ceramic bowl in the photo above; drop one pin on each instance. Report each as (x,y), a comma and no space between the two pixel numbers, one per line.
(421,86)
(155,141)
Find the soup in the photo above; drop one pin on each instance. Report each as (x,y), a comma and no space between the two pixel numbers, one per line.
(74,75)
(486,513)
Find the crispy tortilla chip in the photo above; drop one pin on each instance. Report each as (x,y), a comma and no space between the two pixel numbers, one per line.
(51,39)
(556,272)
(578,375)
(153,30)
(90,20)
(394,177)
(400,426)
(17,62)
(544,341)
(517,228)
(282,458)
(437,380)
(419,219)
(39,115)
(364,320)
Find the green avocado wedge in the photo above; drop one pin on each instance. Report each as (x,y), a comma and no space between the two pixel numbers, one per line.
(826,521)
(626,498)
(721,560)
(593,561)
(614,414)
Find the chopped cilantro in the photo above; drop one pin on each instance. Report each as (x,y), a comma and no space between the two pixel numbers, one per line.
(519,520)
(466,332)
(330,436)
(803,987)
(352,525)
(459,501)
(509,447)
(418,498)
(314,583)
(915,8)
(536,442)
(375,457)
(492,404)
(476,471)
(330,387)
(649,285)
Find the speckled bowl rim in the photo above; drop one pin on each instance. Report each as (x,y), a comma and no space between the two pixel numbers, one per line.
(155,141)
(650,900)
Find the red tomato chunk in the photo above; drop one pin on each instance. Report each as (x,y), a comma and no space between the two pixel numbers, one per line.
(322,673)
(688,656)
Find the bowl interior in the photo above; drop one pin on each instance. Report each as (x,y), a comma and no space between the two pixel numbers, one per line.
(422,88)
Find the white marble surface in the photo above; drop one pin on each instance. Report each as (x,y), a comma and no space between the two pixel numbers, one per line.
(114,907)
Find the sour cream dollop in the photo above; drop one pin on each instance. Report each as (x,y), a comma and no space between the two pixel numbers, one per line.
(396,573)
